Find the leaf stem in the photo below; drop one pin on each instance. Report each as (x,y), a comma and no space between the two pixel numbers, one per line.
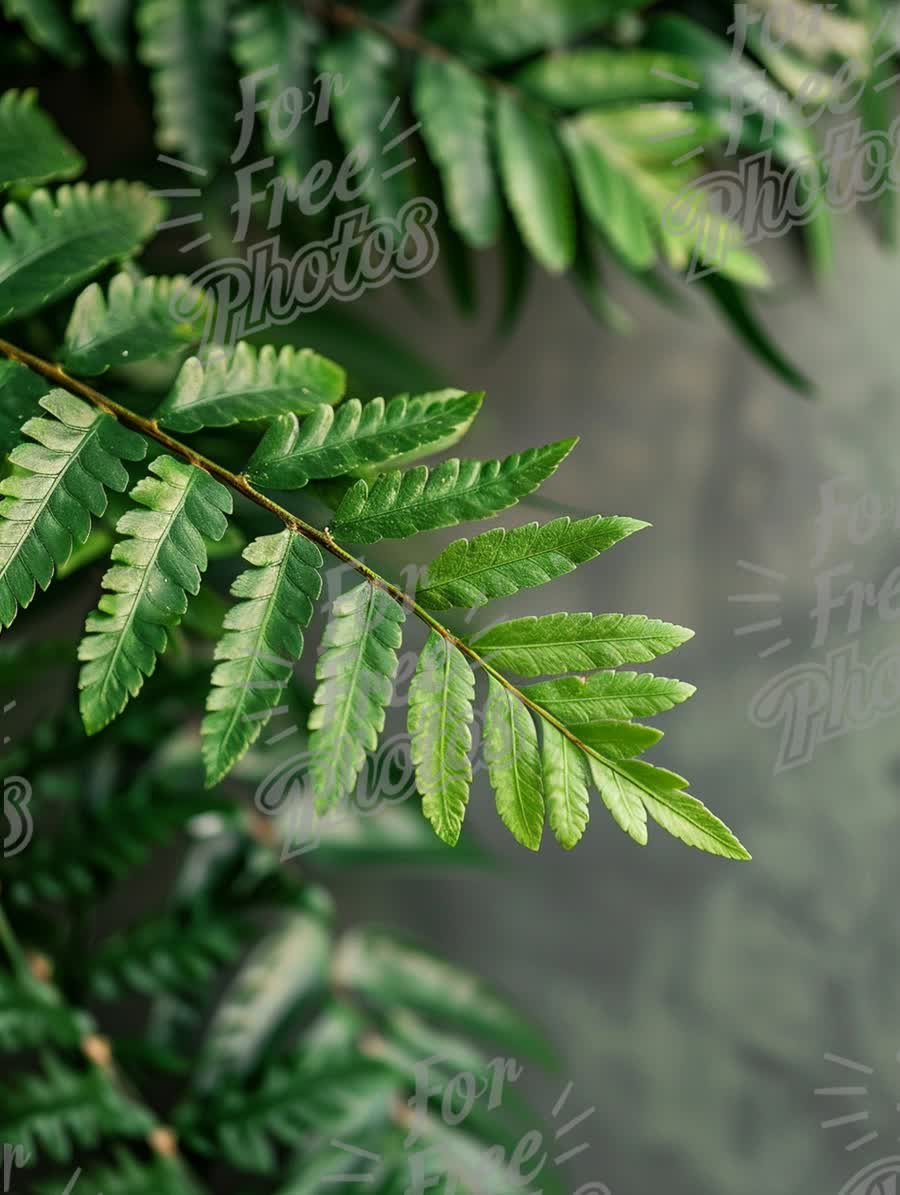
(323,538)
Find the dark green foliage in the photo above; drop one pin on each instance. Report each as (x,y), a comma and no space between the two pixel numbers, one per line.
(583,124)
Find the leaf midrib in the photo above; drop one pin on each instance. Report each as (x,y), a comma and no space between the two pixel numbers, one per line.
(250,659)
(520,804)
(122,635)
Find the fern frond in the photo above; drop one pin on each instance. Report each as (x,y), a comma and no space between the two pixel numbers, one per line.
(129,1175)
(355,671)
(52,1112)
(263,636)
(245,1125)
(157,565)
(233,386)
(282,977)
(332,443)
(394,973)
(135,321)
(167,954)
(608,695)
(31,1015)
(622,161)
(360,66)
(59,481)
(632,788)
(514,764)
(278,35)
(536,182)
(108,23)
(99,846)
(399,504)
(441,696)
(454,106)
(185,47)
(56,242)
(500,562)
(537,646)
(34,150)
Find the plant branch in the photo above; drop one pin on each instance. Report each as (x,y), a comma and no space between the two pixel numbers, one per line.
(321,537)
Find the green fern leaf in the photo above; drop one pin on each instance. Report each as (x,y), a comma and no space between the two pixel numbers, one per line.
(31,1014)
(97,848)
(34,150)
(59,481)
(496,31)
(167,954)
(565,786)
(185,47)
(243,1125)
(21,389)
(275,41)
(631,787)
(621,799)
(47,24)
(500,562)
(357,436)
(394,973)
(453,105)
(514,764)
(593,76)
(284,975)
(53,1111)
(355,671)
(135,322)
(128,1175)
(399,504)
(536,182)
(364,100)
(441,696)
(263,636)
(159,562)
(616,739)
(608,695)
(57,242)
(108,22)
(232,386)
(628,177)
(577,642)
